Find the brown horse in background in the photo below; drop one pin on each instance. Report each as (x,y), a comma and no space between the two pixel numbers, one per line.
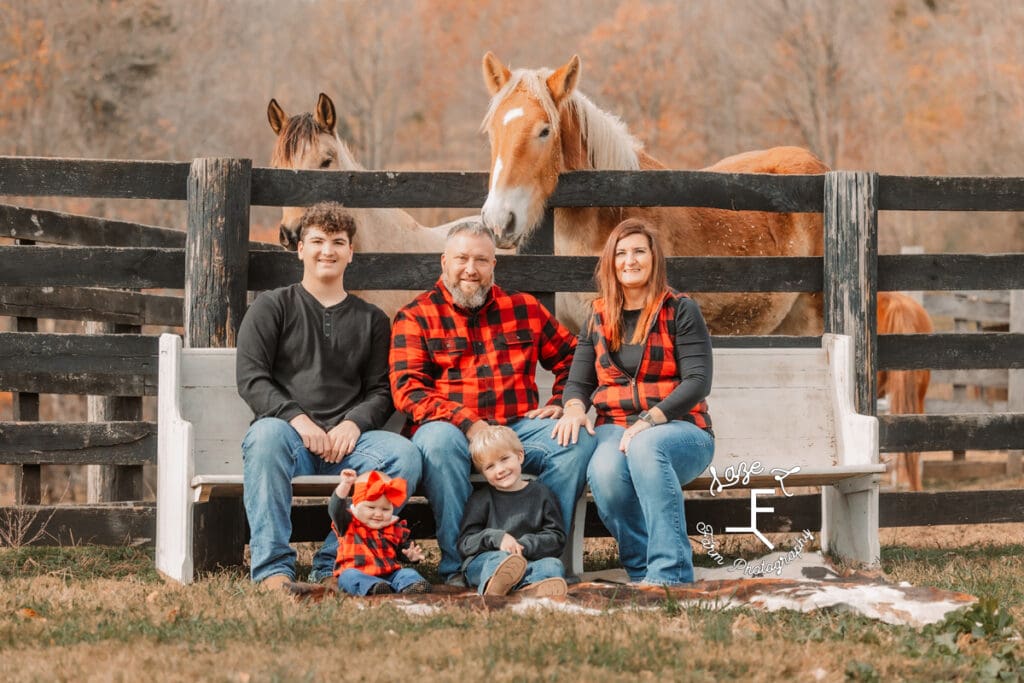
(310,141)
(900,314)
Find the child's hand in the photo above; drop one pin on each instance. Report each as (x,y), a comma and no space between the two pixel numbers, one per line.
(414,553)
(510,545)
(348,478)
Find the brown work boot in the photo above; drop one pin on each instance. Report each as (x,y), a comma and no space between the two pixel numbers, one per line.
(276,582)
(554,587)
(508,573)
(330,583)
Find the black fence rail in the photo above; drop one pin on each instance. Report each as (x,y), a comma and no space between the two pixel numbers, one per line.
(93,269)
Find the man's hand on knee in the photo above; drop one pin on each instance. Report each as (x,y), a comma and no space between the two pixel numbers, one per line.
(343,438)
(313,437)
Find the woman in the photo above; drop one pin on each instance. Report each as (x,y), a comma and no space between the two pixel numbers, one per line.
(643,361)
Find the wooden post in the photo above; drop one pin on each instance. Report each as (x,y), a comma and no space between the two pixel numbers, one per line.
(216,281)
(542,241)
(107,483)
(851,272)
(961,325)
(216,251)
(28,479)
(1015,388)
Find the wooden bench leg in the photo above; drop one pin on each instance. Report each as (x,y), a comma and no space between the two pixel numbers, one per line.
(572,558)
(219,534)
(849,519)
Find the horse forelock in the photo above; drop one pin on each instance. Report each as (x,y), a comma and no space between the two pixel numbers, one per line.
(610,145)
(300,133)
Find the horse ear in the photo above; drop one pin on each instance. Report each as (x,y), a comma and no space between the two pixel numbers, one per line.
(563,82)
(496,74)
(276,116)
(325,115)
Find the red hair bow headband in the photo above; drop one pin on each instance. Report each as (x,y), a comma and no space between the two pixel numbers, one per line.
(377,485)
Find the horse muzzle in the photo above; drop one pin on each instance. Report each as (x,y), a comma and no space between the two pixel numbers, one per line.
(289,238)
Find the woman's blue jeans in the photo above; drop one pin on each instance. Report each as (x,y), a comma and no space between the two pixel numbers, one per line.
(639,496)
(447,465)
(272,453)
(481,568)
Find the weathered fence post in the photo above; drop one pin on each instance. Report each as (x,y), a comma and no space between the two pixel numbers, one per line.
(1015,382)
(851,272)
(28,479)
(542,241)
(216,250)
(216,280)
(105,483)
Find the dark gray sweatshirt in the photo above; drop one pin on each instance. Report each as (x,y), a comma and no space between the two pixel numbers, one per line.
(295,356)
(531,515)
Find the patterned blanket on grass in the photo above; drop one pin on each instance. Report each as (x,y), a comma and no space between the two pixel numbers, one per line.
(804,585)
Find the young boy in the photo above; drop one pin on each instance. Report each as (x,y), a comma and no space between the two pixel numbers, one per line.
(512,534)
(370,536)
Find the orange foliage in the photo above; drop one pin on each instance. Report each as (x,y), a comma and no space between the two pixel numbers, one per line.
(6,410)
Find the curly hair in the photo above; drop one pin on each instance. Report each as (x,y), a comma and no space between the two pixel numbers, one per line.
(331,217)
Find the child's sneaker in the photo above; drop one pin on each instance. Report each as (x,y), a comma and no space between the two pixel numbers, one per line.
(508,573)
(554,587)
(381,588)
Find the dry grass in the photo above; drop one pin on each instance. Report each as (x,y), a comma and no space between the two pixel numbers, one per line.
(103,614)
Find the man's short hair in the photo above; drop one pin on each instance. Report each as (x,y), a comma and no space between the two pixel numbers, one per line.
(491,443)
(471,227)
(331,217)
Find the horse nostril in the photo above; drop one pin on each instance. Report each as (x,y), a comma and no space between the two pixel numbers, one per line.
(510,225)
(287,238)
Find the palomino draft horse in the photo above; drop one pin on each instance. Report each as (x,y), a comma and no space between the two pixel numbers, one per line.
(310,141)
(899,314)
(540,126)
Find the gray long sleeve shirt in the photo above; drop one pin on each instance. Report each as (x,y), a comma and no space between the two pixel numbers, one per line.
(530,515)
(296,356)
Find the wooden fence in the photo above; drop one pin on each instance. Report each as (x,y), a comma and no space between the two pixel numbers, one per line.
(61,282)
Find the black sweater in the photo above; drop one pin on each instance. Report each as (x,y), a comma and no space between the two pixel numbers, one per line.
(530,515)
(295,356)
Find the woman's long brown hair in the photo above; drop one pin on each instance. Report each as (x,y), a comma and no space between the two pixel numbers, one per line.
(610,289)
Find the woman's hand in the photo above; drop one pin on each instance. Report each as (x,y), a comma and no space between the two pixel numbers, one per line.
(631,431)
(567,429)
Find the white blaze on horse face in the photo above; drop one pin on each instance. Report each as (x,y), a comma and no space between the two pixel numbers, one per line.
(512,115)
(495,174)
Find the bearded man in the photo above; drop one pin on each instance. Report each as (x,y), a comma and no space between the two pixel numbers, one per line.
(464,355)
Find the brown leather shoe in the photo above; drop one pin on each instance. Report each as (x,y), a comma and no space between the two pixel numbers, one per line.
(554,587)
(508,573)
(276,582)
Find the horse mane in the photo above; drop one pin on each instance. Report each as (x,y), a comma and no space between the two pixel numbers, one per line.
(610,146)
(299,133)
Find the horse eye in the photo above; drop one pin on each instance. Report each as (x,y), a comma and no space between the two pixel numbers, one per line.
(544,132)
(326,163)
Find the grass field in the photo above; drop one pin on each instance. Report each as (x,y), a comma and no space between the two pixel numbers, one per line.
(104,614)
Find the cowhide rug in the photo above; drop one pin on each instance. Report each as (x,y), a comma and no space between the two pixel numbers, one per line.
(803,584)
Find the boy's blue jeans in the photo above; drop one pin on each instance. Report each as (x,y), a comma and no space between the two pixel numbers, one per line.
(355,582)
(481,568)
(272,453)
(639,496)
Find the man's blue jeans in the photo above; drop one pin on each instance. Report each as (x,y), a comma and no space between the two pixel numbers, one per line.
(272,454)
(639,496)
(447,465)
(355,582)
(481,568)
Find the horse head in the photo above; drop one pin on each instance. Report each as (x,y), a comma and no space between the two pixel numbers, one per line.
(307,141)
(522,124)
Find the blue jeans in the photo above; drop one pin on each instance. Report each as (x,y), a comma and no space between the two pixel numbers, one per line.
(446,469)
(481,568)
(355,582)
(272,453)
(639,496)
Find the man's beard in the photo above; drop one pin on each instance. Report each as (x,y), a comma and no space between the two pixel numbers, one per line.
(469,301)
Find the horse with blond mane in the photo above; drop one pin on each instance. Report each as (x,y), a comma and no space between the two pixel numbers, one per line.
(310,141)
(540,126)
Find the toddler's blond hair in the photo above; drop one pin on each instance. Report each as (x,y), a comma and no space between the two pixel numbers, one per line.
(491,443)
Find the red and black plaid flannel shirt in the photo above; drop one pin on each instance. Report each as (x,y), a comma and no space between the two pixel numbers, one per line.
(461,366)
(372,551)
